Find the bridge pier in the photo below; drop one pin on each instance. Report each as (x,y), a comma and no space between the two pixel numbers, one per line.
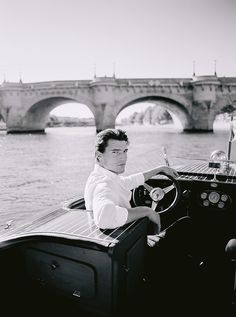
(203,109)
(30,123)
(9,131)
(202,117)
(198,130)
(104,116)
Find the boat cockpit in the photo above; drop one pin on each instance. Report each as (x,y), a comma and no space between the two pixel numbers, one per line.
(62,262)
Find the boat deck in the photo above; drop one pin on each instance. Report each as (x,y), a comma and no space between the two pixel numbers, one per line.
(74,224)
(202,172)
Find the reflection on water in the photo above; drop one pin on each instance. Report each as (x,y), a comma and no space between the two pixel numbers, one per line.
(40,171)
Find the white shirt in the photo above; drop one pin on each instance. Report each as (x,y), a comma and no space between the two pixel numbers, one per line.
(108,196)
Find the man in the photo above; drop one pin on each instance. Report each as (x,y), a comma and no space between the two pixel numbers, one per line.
(108,194)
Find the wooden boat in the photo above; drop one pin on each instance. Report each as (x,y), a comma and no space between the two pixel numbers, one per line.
(62,263)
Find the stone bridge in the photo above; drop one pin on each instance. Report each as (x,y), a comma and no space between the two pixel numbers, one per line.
(195,101)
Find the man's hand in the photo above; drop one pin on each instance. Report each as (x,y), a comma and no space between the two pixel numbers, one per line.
(159,170)
(154,239)
(168,171)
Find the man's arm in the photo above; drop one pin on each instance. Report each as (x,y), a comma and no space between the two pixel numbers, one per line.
(160,169)
(142,211)
(135,180)
(107,215)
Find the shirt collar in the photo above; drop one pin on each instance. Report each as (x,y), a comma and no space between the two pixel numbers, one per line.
(103,171)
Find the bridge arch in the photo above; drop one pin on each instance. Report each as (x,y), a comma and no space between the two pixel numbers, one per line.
(174,106)
(36,115)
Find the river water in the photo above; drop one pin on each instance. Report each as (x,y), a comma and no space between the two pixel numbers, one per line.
(38,172)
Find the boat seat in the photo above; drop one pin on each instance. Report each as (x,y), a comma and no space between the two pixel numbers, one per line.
(230,250)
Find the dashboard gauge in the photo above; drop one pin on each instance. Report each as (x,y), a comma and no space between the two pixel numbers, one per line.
(203,195)
(214,197)
(221,204)
(206,203)
(224,197)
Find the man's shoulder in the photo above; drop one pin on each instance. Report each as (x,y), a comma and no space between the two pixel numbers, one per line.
(99,183)
(96,178)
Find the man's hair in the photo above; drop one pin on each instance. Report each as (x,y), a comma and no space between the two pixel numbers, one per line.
(104,136)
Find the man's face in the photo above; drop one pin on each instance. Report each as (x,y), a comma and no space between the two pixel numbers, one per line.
(115,156)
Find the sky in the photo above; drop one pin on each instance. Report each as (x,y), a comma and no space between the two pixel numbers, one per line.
(44,40)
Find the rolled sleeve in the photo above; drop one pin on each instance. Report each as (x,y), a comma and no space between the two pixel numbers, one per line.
(110,216)
(133,181)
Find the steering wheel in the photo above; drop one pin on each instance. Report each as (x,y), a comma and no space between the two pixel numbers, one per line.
(161,199)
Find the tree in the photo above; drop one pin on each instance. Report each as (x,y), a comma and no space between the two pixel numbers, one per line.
(228,109)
